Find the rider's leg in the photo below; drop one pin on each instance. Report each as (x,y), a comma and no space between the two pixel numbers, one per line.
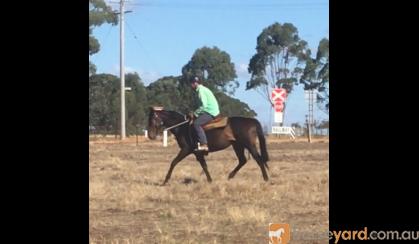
(201,120)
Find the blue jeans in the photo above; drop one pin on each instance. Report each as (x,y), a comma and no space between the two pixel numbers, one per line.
(201,120)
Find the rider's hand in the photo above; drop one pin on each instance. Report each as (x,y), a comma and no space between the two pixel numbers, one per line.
(191,116)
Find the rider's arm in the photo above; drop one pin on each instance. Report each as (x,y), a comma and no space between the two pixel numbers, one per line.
(204,102)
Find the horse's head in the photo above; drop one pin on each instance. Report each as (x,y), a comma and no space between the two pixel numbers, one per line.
(159,118)
(155,122)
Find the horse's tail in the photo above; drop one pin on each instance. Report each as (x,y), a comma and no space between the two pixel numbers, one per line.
(262,142)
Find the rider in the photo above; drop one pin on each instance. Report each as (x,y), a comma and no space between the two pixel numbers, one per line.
(205,113)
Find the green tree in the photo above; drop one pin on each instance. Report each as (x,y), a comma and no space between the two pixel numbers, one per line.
(136,103)
(172,94)
(218,74)
(214,66)
(230,106)
(316,75)
(279,52)
(99,13)
(324,124)
(296,125)
(167,92)
(103,101)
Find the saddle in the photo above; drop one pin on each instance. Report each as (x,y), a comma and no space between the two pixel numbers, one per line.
(218,122)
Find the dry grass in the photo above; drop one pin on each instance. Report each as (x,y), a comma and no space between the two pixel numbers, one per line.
(128,205)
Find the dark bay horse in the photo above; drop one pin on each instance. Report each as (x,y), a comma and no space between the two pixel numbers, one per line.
(244,130)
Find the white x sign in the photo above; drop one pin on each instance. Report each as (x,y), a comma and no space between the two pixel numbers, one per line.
(279,94)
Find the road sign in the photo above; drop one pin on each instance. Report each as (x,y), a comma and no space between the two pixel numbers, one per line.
(283,130)
(278,117)
(279,94)
(279,106)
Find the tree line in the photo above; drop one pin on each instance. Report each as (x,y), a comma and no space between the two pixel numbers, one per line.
(171,92)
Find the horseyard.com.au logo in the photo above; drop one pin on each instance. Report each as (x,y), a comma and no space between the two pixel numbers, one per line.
(279,233)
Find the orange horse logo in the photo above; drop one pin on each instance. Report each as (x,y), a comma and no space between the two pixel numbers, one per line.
(279,233)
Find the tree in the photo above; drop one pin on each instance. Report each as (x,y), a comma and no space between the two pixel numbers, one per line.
(99,13)
(136,103)
(214,66)
(92,68)
(279,52)
(172,94)
(233,107)
(175,92)
(324,124)
(167,92)
(316,75)
(296,125)
(103,101)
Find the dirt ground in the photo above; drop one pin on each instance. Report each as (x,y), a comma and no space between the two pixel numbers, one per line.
(128,205)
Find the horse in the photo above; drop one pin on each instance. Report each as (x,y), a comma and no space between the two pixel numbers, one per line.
(240,132)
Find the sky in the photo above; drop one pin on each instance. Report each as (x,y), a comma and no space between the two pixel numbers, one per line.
(162,35)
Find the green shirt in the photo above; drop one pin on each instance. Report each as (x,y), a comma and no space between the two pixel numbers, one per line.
(209,103)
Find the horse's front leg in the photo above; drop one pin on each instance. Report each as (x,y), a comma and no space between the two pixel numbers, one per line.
(201,159)
(181,155)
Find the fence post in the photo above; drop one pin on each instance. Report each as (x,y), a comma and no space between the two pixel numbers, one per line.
(136,134)
(165,138)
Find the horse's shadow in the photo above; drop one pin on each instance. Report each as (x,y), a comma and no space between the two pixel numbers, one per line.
(189,180)
(185,181)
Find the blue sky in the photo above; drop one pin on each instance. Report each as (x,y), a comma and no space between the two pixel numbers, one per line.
(162,35)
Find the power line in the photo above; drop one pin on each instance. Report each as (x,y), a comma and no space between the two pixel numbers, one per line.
(141,46)
(103,43)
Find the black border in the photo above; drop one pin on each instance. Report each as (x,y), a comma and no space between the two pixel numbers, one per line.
(47,117)
(373,181)
(373,178)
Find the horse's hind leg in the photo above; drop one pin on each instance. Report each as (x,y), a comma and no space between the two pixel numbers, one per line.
(258,158)
(201,159)
(239,149)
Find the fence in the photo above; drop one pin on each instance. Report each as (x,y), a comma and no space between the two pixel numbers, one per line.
(314,132)
(97,131)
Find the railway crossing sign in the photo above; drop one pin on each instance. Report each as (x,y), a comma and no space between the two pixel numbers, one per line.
(279,95)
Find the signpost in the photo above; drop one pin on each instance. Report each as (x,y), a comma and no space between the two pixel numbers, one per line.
(283,130)
(278,97)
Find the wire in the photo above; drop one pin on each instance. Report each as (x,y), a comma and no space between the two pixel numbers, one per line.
(141,46)
(103,43)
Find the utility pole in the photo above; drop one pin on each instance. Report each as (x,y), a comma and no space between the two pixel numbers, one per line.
(122,69)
